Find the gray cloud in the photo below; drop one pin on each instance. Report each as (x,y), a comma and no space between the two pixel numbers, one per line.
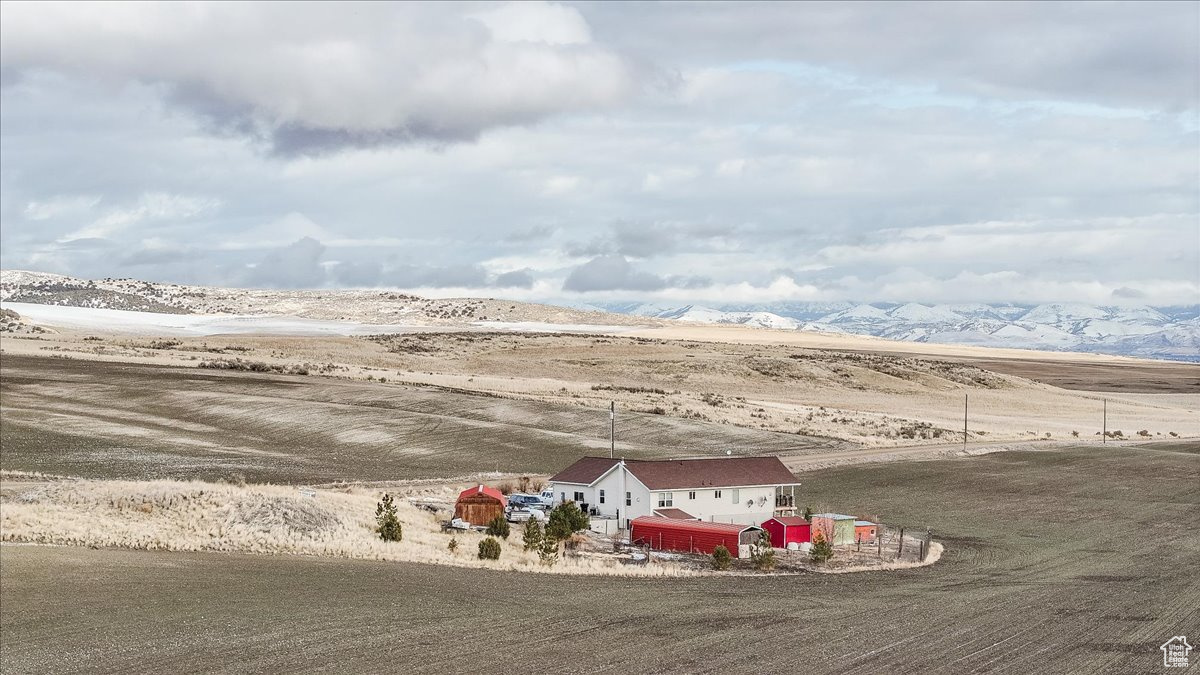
(608,273)
(334,79)
(425,276)
(794,151)
(514,279)
(294,266)
(358,274)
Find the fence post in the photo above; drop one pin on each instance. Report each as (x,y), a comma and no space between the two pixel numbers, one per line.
(900,550)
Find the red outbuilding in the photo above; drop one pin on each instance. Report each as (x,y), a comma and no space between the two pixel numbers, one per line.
(691,536)
(787,530)
(479,505)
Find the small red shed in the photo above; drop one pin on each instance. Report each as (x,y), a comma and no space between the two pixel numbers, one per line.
(691,536)
(480,505)
(787,530)
(864,531)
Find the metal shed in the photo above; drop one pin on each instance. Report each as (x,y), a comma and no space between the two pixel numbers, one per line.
(692,536)
(479,505)
(787,530)
(864,531)
(837,528)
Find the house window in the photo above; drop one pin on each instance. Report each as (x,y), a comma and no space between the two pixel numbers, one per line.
(628,499)
(736,495)
(602,496)
(578,497)
(562,496)
(691,495)
(666,499)
(716,494)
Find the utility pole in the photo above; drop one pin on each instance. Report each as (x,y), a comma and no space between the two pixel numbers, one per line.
(966,397)
(612,429)
(1104,431)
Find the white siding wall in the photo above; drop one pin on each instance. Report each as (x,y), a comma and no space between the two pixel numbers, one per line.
(724,509)
(706,506)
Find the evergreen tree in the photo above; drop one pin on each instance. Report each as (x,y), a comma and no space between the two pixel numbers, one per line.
(721,558)
(821,550)
(566,519)
(548,551)
(498,527)
(387,525)
(808,513)
(489,549)
(533,534)
(453,545)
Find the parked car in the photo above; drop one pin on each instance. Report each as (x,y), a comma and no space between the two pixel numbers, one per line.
(522,500)
(521,514)
(547,497)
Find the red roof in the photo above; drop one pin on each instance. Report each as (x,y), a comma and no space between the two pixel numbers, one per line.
(679,474)
(485,490)
(585,471)
(790,521)
(693,525)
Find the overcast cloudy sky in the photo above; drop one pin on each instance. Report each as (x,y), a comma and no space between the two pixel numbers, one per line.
(668,152)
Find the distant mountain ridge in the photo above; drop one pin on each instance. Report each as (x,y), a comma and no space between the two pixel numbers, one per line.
(1151,332)
(1164,332)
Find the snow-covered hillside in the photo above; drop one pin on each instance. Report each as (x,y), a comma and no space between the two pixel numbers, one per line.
(1164,332)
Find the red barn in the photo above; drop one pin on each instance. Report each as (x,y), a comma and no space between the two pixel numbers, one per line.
(479,505)
(691,536)
(787,530)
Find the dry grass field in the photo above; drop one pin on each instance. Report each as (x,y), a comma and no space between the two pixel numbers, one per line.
(1078,560)
(873,398)
(134,421)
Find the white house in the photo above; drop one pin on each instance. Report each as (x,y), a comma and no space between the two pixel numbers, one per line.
(724,490)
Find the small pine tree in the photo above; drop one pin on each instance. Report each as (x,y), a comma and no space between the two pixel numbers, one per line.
(387,525)
(498,527)
(548,551)
(489,549)
(453,545)
(821,550)
(566,519)
(721,558)
(533,534)
(763,554)
(808,513)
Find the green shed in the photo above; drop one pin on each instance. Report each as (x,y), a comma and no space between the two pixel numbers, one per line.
(838,528)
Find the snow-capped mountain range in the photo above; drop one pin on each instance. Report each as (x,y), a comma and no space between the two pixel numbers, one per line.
(1155,332)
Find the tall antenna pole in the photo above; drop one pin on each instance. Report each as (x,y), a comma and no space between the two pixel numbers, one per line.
(966,397)
(1104,432)
(612,429)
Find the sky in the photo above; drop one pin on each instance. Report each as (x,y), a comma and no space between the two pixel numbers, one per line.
(595,152)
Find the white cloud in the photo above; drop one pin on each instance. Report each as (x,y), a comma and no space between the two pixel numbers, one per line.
(152,206)
(59,206)
(316,77)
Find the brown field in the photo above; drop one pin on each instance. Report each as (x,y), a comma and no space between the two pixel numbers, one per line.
(1077,560)
(115,420)
(874,398)
(1149,377)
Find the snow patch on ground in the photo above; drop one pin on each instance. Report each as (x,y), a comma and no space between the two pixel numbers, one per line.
(151,323)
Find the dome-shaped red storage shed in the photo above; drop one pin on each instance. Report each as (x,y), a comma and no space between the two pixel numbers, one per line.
(690,536)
